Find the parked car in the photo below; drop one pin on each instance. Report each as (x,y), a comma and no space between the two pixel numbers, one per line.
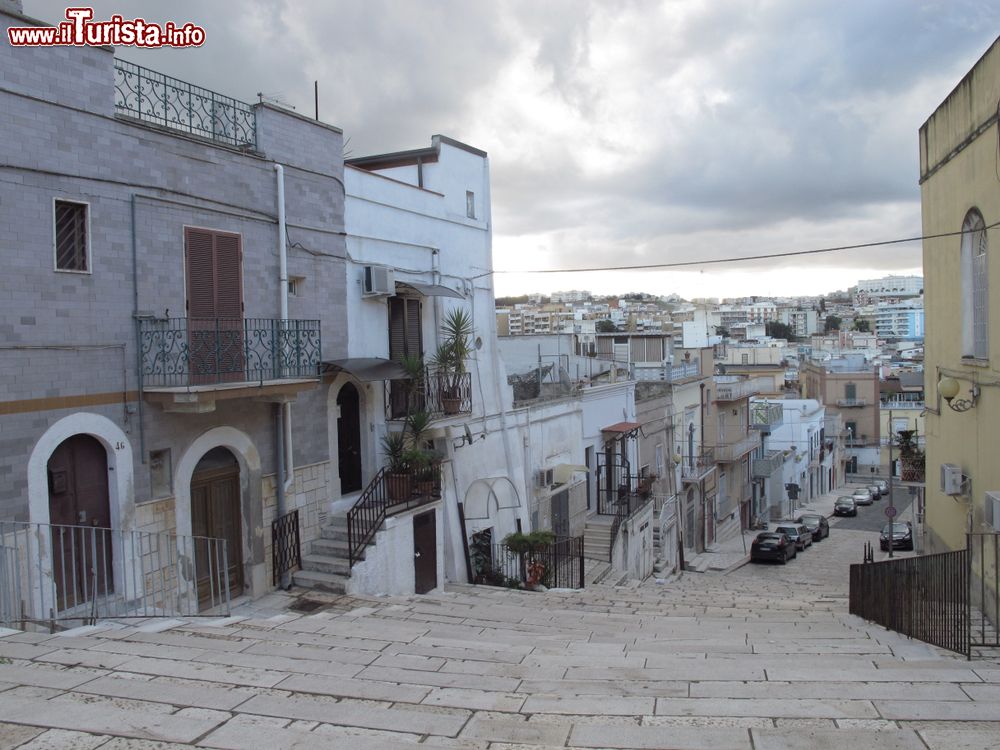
(862,496)
(883,486)
(817,525)
(770,545)
(875,491)
(800,536)
(845,506)
(902,536)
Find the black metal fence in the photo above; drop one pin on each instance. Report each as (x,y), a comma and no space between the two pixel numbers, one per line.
(557,565)
(435,392)
(286,549)
(202,351)
(949,599)
(926,597)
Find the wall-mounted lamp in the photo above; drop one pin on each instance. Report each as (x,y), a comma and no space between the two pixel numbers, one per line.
(949,387)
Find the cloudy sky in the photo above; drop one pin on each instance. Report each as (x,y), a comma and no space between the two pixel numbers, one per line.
(624,132)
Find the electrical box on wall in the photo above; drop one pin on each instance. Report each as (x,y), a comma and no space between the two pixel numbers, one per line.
(951,479)
(379,281)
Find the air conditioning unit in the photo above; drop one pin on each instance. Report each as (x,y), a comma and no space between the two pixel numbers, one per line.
(543,479)
(951,479)
(379,281)
(991,510)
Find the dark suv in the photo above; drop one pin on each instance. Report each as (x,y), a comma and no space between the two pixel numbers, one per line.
(816,523)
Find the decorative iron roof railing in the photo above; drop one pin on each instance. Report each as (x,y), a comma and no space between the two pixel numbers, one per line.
(158,99)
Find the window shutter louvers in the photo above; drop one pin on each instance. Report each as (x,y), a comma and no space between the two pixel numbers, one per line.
(397,329)
(228,277)
(200,273)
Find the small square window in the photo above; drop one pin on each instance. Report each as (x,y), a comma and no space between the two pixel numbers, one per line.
(295,285)
(470,204)
(71,236)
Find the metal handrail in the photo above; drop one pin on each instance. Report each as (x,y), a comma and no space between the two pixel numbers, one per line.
(437,393)
(386,495)
(153,97)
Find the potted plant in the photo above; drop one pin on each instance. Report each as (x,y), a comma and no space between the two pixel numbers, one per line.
(399,475)
(450,357)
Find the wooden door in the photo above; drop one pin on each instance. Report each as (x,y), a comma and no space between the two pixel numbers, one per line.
(424,552)
(215,513)
(79,510)
(215,307)
(349,438)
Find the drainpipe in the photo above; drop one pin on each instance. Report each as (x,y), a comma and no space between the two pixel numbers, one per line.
(286,409)
(138,336)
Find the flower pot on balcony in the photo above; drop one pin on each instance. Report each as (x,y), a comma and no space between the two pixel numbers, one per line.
(399,487)
(450,403)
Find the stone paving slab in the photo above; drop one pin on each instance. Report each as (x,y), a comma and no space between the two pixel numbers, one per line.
(833,739)
(350,688)
(107,720)
(174,692)
(771,707)
(954,739)
(820,690)
(675,738)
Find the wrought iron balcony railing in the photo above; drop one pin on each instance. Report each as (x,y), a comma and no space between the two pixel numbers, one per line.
(851,403)
(766,416)
(762,468)
(180,352)
(171,103)
(437,393)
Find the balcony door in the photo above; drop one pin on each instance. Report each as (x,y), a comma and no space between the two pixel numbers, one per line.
(214,266)
(405,341)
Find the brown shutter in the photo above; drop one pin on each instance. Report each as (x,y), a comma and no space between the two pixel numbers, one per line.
(414,344)
(228,277)
(397,328)
(200,273)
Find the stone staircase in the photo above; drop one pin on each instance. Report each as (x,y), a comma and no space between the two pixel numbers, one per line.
(327,566)
(597,538)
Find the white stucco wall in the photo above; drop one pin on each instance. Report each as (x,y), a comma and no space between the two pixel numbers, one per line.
(387,569)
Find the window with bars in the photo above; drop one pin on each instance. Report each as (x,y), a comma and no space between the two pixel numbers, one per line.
(975,289)
(71,236)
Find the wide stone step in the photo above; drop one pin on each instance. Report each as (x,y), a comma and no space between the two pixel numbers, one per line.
(325,564)
(314,579)
(332,548)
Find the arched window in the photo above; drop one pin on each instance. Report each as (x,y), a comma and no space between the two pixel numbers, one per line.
(975,291)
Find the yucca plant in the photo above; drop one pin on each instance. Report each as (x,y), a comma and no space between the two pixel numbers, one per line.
(451,355)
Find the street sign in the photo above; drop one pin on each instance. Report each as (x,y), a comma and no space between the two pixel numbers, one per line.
(890,511)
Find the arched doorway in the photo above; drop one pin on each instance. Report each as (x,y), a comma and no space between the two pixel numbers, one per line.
(349,438)
(79,509)
(216,513)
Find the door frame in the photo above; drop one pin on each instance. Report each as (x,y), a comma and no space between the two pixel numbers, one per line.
(251,498)
(206,478)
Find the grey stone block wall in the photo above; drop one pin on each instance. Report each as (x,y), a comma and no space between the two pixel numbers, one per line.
(60,139)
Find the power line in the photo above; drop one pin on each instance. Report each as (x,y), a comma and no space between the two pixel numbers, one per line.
(765,256)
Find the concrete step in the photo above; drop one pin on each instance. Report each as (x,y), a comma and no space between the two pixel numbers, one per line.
(313,579)
(332,548)
(326,564)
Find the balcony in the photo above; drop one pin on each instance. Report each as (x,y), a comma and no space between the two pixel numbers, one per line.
(900,405)
(439,394)
(186,364)
(731,388)
(694,468)
(683,371)
(154,98)
(762,468)
(734,450)
(852,403)
(765,416)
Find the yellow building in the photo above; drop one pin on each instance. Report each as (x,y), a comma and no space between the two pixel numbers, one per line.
(960,192)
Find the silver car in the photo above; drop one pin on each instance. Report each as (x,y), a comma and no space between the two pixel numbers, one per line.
(883,486)
(862,496)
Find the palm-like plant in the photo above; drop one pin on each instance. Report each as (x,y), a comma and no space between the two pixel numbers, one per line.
(453,351)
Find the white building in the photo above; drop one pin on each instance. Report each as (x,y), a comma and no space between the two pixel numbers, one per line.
(890,287)
(808,461)
(418,236)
